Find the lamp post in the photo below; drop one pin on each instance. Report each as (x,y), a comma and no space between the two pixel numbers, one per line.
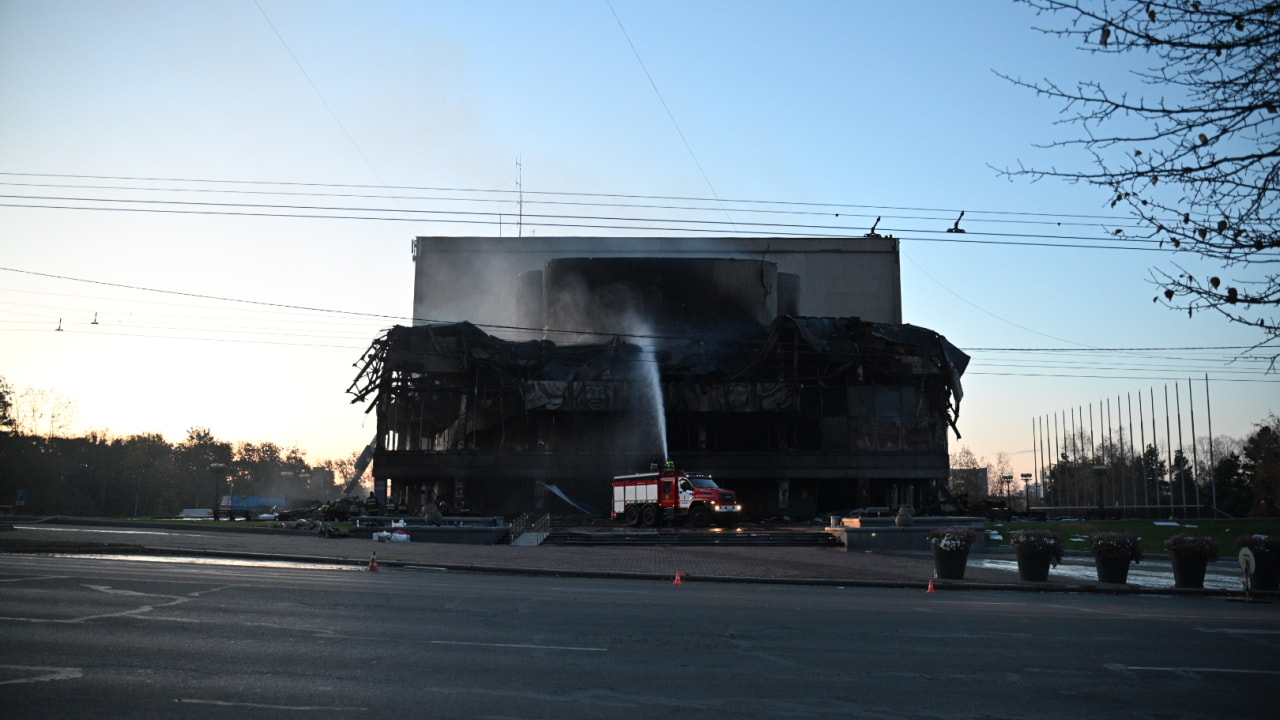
(1026,488)
(287,476)
(1100,471)
(216,469)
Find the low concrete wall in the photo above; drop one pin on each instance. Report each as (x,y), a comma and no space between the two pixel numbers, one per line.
(883,534)
(483,530)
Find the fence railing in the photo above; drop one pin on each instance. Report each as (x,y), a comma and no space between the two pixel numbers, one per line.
(526,532)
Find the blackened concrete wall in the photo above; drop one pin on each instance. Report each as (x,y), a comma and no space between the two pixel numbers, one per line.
(476,279)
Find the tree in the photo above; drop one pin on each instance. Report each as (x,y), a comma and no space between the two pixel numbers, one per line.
(340,471)
(1261,466)
(256,469)
(195,457)
(969,474)
(43,413)
(6,406)
(1198,162)
(147,467)
(1235,498)
(1001,474)
(1182,487)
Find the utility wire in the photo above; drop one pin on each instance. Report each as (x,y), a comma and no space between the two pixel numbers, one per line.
(974,217)
(666,107)
(781,203)
(316,89)
(978,368)
(604,223)
(470,213)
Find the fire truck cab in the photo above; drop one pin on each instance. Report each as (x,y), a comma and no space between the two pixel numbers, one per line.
(664,497)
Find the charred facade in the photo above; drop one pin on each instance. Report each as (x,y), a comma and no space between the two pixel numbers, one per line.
(685,359)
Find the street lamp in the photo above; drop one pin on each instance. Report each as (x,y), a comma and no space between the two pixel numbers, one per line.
(216,469)
(1100,471)
(287,476)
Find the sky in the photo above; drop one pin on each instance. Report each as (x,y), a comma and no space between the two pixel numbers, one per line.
(214,200)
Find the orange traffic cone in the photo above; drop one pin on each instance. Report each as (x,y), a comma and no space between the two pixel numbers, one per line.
(373,562)
(931,590)
(679,578)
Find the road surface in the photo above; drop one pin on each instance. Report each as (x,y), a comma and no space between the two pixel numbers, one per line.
(162,638)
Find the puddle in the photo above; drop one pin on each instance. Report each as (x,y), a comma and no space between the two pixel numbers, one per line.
(110,531)
(216,561)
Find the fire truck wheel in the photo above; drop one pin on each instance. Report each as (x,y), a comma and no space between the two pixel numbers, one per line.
(649,516)
(632,515)
(699,516)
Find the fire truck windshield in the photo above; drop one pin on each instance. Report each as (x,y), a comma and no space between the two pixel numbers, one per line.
(702,481)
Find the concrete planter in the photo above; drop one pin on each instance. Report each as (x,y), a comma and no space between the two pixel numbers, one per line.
(1033,564)
(1112,570)
(949,564)
(1188,572)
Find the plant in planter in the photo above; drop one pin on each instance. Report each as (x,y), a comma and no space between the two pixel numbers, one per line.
(950,547)
(1266,557)
(1037,551)
(1191,555)
(1113,552)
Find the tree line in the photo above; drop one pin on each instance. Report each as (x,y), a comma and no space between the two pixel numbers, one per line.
(142,475)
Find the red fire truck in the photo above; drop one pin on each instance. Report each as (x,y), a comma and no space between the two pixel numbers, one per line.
(663,497)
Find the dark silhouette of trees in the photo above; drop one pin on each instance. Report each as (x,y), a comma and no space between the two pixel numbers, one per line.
(1261,467)
(1195,157)
(194,458)
(6,406)
(1235,497)
(145,476)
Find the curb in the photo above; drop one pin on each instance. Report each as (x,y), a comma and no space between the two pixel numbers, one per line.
(941,585)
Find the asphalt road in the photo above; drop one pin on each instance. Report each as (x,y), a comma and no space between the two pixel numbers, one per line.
(93,638)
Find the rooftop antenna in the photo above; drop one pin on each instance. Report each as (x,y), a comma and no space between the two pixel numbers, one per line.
(95,319)
(956,228)
(59,325)
(519,198)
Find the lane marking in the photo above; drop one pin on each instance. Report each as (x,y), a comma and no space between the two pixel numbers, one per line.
(264,706)
(516,645)
(50,673)
(1239,631)
(134,612)
(1186,670)
(603,592)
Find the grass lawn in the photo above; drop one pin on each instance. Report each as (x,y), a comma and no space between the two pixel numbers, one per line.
(1152,533)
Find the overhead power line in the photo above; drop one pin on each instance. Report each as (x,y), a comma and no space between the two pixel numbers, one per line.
(507,192)
(1053,366)
(564,221)
(867,213)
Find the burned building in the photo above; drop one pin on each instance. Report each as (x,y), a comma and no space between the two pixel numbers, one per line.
(539,368)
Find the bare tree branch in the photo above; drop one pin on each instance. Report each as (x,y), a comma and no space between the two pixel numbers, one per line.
(1198,164)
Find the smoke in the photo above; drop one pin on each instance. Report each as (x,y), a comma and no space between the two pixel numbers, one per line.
(453,284)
